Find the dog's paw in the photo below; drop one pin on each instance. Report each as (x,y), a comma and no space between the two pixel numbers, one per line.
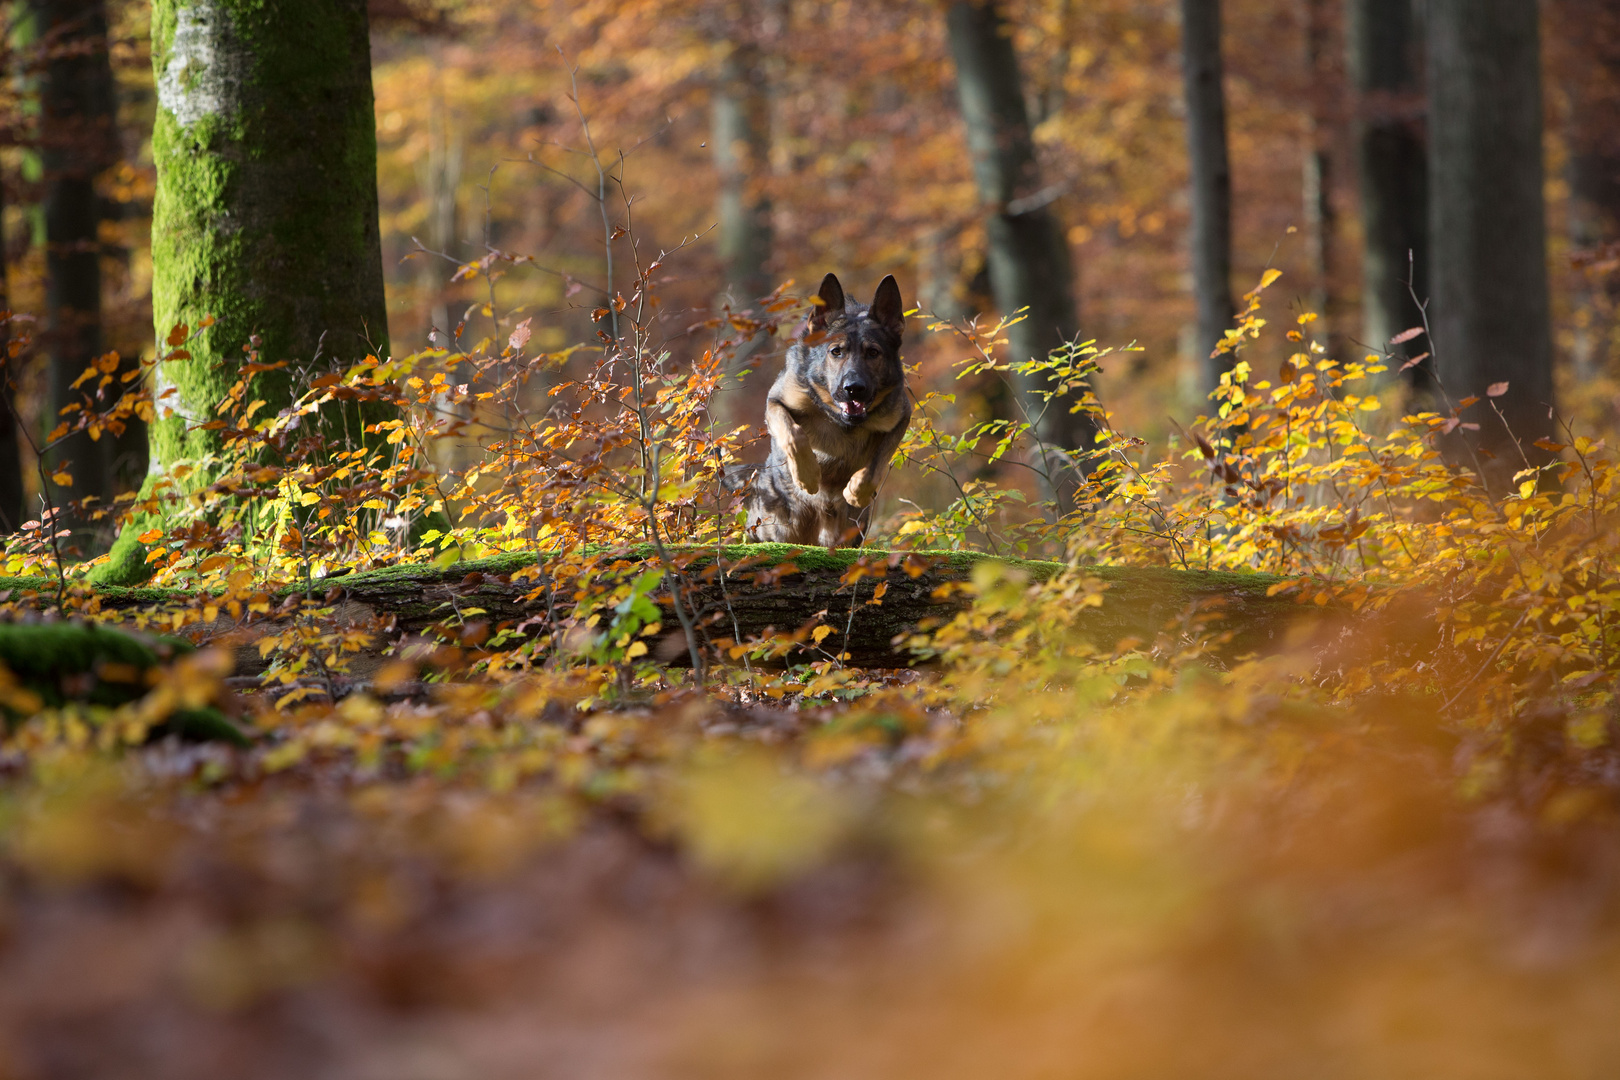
(859,491)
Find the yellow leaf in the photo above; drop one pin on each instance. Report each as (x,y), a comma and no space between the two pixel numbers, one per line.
(820,634)
(150,536)
(62,477)
(637,648)
(309,498)
(1269,277)
(374,504)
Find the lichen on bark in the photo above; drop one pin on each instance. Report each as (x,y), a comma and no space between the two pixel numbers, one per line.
(265,217)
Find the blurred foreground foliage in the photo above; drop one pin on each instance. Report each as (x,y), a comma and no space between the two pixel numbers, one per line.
(1383,847)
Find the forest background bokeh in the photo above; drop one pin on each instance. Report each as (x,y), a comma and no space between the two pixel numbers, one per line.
(852,157)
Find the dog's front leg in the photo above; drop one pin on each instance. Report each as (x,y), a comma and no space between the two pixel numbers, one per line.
(787,434)
(862,486)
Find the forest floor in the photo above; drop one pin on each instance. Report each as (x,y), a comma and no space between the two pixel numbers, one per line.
(699,887)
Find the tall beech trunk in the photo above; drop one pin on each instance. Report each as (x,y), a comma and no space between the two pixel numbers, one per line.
(741,135)
(266,208)
(1386,62)
(1487,220)
(1211,172)
(1029,258)
(78,137)
(11,480)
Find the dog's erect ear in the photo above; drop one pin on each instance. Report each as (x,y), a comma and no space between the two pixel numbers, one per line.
(887,309)
(832,303)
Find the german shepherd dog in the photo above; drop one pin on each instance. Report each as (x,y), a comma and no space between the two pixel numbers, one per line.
(835,415)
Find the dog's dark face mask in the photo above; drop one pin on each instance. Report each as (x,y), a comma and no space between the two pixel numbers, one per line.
(854,351)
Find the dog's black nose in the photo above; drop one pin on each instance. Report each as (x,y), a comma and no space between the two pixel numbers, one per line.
(855,389)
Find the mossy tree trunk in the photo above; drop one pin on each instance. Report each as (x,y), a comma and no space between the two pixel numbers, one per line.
(266,210)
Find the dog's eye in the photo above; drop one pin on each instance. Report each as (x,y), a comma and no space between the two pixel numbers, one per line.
(873,352)
(836,351)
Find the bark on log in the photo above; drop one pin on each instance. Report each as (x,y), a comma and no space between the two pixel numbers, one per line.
(766,596)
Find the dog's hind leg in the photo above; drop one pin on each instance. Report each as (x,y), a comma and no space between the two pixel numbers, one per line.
(775,513)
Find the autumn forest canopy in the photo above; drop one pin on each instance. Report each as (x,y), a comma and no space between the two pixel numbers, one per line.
(736,538)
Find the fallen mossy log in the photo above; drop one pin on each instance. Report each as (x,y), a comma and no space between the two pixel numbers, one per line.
(750,592)
(57,664)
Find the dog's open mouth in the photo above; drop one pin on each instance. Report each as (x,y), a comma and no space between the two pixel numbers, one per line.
(854,410)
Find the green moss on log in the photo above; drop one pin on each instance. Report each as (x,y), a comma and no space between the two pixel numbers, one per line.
(1140,602)
(72,662)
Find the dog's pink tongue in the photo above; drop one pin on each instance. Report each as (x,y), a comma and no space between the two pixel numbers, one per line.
(854,408)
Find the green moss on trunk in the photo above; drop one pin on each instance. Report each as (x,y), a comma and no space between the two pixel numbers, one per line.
(265,216)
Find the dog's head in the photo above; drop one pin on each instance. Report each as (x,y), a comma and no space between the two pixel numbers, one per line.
(852,351)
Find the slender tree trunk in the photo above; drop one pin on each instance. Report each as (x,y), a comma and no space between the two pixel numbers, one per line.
(741,137)
(1211,171)
(440,177)
(1386,61)
(1029,258)
(1487,224)
(1322,123)
(266,209)
(741,156)
(11,480)
(78,141)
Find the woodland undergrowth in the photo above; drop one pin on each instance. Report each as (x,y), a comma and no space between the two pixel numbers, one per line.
(1151,817)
